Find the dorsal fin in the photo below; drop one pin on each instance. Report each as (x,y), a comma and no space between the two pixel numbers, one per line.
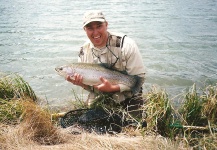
(106,65)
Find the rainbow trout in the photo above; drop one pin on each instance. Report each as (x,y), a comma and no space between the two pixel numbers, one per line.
(91,74)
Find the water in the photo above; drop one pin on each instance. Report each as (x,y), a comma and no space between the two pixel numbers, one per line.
(177,40)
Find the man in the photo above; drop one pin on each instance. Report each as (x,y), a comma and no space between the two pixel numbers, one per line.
(118,51)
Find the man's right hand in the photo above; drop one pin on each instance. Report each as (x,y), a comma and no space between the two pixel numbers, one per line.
(77,79)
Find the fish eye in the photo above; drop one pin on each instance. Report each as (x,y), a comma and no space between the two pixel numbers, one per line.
(61,68)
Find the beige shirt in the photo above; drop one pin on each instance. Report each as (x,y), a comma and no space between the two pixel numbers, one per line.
(127,59)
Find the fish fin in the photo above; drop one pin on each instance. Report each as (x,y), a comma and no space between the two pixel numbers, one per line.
(106,65)
(124,72)
(137,87)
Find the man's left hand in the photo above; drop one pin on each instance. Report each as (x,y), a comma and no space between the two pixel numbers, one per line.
(107,87)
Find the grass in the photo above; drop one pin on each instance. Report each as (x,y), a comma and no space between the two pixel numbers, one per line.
(13,86)
(10,111)
(159,111)
(200,110)
(26,125)
(209,99)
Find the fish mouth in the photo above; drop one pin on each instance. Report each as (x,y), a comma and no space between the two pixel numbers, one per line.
(64,71)
(58,69)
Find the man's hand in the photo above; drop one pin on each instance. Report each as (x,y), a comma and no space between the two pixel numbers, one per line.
(77,79)
(106,86)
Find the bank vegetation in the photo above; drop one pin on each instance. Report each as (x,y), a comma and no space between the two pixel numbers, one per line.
(25,124)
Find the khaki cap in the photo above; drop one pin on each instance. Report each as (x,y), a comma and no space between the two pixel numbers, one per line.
(94,15)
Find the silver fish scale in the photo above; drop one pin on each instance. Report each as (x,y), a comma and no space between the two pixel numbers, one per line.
(92,72)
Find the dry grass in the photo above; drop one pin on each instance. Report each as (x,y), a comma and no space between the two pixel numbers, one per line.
(35,127)
(16,139)
(38,126)
(99,142)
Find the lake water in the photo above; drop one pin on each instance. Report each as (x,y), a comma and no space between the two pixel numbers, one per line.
(177,40)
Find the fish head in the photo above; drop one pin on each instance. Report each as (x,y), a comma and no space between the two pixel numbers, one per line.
(65,70)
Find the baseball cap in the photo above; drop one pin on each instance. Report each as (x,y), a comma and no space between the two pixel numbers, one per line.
(93,15)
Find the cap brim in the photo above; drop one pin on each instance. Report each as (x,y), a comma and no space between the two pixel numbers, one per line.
(92,20)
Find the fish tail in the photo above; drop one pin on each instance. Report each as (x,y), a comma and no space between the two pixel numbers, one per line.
(138,84)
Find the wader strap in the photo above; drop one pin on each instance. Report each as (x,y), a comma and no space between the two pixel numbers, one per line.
(122,42)
(120,54)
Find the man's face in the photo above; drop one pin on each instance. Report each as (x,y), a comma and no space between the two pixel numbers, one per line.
(97,33)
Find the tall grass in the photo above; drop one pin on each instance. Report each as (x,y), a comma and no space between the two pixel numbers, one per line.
(209,106)
(191,109)
(13,86)
(12,89)
(199,109)
(159,111)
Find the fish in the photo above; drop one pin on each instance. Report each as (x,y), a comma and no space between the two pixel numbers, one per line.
(91,74)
